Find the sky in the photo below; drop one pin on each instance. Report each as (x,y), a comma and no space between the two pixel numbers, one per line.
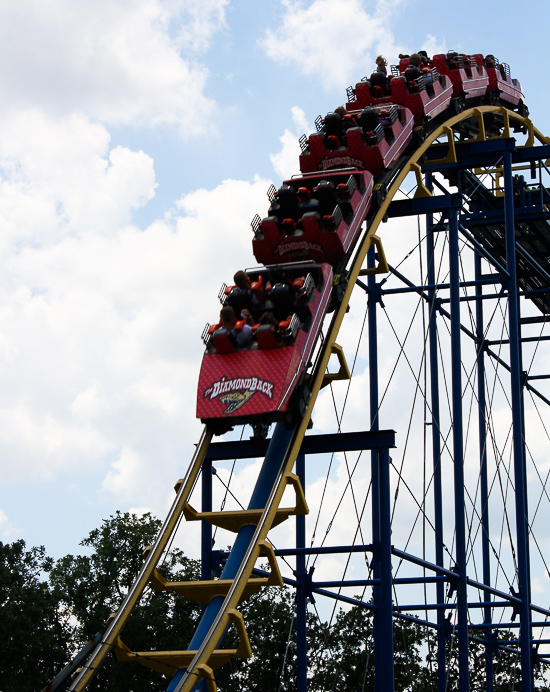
(137,141)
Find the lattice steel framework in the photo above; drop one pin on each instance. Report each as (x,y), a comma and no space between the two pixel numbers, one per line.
(479,290)
(485,214)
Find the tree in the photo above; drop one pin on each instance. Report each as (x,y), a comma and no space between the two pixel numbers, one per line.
(504,650)
(91,587)
(50,610)
(269,618)
(346,659)
(34,632)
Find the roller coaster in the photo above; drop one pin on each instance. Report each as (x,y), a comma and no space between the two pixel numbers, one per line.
(448,139)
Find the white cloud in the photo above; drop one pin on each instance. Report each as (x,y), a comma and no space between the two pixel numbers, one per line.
(8,532)
(330,41)
(285,162)
(119,62)
(335,43)
(59,175)
(194,23)
(433,45)
(100,321)
(126,474)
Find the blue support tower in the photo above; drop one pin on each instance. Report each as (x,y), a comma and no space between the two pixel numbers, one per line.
(460,596)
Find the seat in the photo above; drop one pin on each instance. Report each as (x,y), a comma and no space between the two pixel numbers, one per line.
(238,299)
(326,194)
(268,337)
(412,73)
(329,223)
(282,297)
(368,119)
(288,226)
(222,341)
(259,309)
(304,196)
(286,202)
(378,82)
(333,125)
(348,121)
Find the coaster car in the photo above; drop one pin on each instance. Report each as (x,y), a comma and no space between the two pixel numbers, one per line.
(466,73)
(254,367)
(425,94)
(372,138)
(263,381)
(316,217)
(502,87)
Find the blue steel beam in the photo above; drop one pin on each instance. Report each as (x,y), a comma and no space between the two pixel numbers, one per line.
(458,455)
(436,440)
(425,205)
(206,528)
(470,155)
(266,479)
(381,529)
(386,605)
(522,533)
(312,444)
(539,319)
(484,483)
(482,218)
(301,589)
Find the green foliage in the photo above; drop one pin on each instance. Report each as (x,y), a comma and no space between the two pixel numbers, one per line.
(269,617)
(506,665)
(346,662)
(50,610)
(93,586)
(34,634)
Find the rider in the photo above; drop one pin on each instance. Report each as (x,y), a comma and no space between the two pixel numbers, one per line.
(242,334)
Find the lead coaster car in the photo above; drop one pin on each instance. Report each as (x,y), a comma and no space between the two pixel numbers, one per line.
(466,73)
(502,87)
(257,385)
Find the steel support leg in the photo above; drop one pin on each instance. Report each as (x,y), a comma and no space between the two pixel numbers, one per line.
(381,538)
(458,455)
(484,485)
(301,598)
(384,614)
(436,448)
(206,528)
(522,527)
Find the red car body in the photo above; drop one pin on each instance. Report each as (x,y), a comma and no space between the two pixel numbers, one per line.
(424,101)
(500,82)
(466,73)
(359,149)
(314,238)
(257,384)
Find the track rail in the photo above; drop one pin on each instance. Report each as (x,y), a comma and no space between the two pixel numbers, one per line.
(117,624)
(186,679)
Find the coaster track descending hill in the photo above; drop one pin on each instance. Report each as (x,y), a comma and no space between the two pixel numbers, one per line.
(314,250)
